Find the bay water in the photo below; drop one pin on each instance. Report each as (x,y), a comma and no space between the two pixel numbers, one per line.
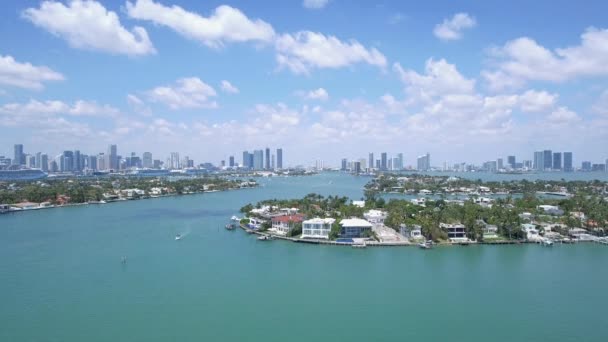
(62,279)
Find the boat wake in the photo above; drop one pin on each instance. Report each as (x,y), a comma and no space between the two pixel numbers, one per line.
(183,234)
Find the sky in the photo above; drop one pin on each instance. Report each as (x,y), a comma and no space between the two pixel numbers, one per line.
(323,79)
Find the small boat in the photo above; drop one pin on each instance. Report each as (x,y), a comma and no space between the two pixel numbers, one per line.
(265,238)
(230,226)
(234,218)
(359,245)
(547,242)
(426,245)
(178,237)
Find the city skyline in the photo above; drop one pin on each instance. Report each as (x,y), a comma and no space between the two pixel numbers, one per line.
(456,80)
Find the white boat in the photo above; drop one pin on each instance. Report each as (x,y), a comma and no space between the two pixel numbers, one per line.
(426,245)
(178,237)
(234,218)
(265,237)
(547,242)
(359,245)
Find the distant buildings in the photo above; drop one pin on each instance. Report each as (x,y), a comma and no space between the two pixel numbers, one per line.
(18,158)
(557,161)
(568,162)
(279,158)
(424,162)
(147,160)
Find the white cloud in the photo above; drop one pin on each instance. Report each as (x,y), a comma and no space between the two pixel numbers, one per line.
(316,94)
(38,109)
(537,101)
(88,25)
(523,59)
(563,115)
(314,4)
(229,88)
(25,75)
(601,105)
(451,29)
(138,105)
(302,51)
(440,78)
(226,24)
(185,93)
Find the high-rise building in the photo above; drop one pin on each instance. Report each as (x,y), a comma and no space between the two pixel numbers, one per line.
(383,163)
(267,165)
(147,160)
(586,166)
(245,163)
(371,160)
(273,165)
(279,158)
(92,163)
(499,165)
(101,162)
(44,162)
(18,158)
(557,160)
(174,162)
(539,163)
(258,160)
(344,166)
(357,167)
(67,162)
(231,161)
(399,161)
(548,159)
(76,162)
(511,161)
(111,162)
(424,162)
(568,162)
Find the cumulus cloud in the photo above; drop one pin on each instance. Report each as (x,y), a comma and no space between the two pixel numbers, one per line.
(185,93)
(563,115)
(316,94)
(440,78)
(38,109)
(227,87)
(451,29)
(601,105)
(523,59)
(314,4)
(226,24)
(305,50)
(88,25)
(25,75)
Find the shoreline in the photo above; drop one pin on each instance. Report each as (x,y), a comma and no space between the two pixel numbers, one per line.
(11,211)
(402,244)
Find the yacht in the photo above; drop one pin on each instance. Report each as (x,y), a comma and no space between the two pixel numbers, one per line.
(178,237)
(426,245)
(265,238)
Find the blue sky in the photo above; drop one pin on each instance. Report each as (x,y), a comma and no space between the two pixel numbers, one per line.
(466,81)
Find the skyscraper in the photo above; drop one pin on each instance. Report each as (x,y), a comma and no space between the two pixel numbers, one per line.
(568,162)
(371,160)
(557,161)
(258,159)
(92,163)
(147,160)
(44,162)
(548,159)
(174,162)
(267,166)
(273,165)
(111,158)
(424,162)
(344,166)
(38,164)
(67,161)
(77,161)
(245,163)
(511,161)
(18,156)
(399,161)
(231,161)
(383,163)
(539,163)
(499,165)
(279,158)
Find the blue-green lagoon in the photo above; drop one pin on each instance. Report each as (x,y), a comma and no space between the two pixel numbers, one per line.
(61,279)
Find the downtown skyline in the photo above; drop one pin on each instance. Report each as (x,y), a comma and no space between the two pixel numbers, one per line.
(459,81)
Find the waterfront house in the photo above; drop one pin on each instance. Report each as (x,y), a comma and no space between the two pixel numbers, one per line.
(360,204)
(254,223)
(419,201)
(413,231)
(550,209)
(456,231)
(354,228)
(317,228)
(284,223)
(4,208)
(26,205)
(489,231)
(375,216)
(530,231)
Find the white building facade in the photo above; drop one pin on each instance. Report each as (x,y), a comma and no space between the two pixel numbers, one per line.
(317,228)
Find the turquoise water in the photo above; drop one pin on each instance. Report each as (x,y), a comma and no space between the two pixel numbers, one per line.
(61,279)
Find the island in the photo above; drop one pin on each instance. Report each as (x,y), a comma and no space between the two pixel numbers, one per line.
(439,210)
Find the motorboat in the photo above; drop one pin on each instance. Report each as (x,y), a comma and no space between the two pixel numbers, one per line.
(230,226)
(178,237)
(234,218)
(359,245)
(547,242)
(265,238)
(426,245)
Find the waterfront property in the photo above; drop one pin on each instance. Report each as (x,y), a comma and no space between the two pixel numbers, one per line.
(317,228)
(456,231)
(284,223)
(375,216)
(354,228)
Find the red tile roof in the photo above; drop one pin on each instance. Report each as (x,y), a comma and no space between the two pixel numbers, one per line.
(289,218)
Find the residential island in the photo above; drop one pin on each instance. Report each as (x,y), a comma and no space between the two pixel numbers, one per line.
(442,210)
(50,193)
